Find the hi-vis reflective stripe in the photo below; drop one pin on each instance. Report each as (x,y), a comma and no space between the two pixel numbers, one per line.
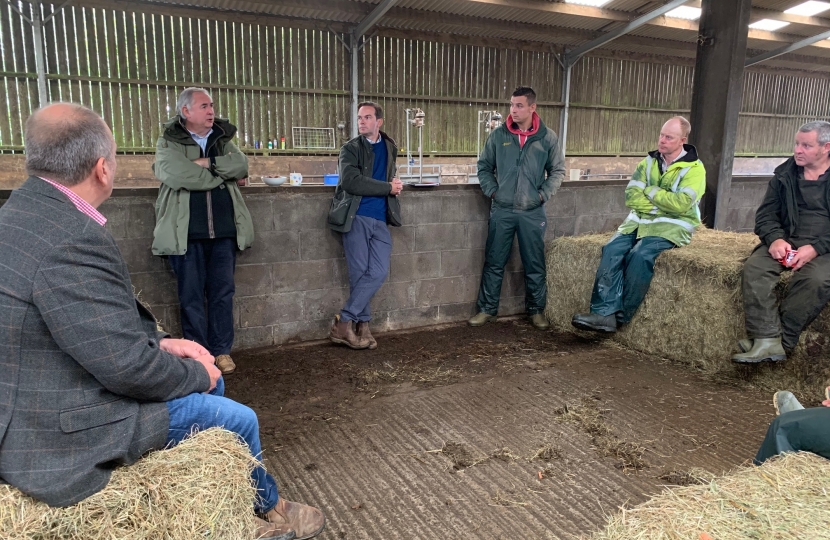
(680,176)
(636,183)
(645,221)
(690,192)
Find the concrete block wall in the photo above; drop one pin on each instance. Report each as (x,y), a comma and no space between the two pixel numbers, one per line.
(745,197)
(294,279)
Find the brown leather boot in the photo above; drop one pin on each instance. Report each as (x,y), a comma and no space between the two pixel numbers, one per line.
(363,332)
(225,364)
(342,333)
(265,529)
(306,521)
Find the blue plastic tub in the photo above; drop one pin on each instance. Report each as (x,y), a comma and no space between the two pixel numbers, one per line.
(331,179)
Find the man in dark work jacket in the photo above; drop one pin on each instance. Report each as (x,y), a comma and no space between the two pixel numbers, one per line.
(201,219)
(364,204)
(794,216)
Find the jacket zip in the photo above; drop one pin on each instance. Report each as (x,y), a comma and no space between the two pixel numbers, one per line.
(209,200)
(519,166)
(211,232)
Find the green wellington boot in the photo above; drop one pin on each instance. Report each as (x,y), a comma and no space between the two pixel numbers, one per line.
(785,402)
(481,318)
(744,345)
(539,321)
(763,350)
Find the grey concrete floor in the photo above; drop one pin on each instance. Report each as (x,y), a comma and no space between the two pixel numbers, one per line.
(371,456)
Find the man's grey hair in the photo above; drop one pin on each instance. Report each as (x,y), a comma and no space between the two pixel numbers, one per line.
(186,98)
(66,149)
(821,128)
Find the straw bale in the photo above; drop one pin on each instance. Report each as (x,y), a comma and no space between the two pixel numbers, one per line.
(785,498)
(200,488)
(693,312)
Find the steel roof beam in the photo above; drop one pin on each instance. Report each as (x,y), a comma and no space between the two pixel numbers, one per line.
(373,17)
(571,57)
(787,49)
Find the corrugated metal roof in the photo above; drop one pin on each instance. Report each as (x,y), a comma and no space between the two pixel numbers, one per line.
(504,13)
(488,18)
(778,5)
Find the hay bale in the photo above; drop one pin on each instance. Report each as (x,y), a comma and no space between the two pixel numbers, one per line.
(693,312)
(200,488)
(785,498)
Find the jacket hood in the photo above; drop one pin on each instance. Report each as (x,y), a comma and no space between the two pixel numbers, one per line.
(535,128)
(689,157)
(175,131)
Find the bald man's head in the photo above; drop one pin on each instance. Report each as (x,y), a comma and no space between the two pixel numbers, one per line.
(64,141)
(673,136)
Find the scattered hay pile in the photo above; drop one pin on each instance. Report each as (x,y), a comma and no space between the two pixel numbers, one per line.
(592,420)
(198,489)
(693,312)
(786,499)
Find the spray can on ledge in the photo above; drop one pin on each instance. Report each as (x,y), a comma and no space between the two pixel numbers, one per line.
(282,143)
(270,145)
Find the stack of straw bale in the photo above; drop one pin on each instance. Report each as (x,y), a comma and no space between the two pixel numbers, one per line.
(786,498)
(200,488)
(693,312)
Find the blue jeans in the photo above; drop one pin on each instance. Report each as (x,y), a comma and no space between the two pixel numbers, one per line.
(205,272)
(624,274)
(203,411)
(368,247)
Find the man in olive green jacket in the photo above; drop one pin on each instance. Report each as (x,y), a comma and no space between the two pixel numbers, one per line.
(201,219)
(520,169)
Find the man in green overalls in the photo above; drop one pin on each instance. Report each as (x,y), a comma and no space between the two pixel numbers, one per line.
(520,169)
(793,223)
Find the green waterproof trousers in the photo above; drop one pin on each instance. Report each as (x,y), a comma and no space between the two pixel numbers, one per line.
(807,430)
(529,226)
(807,294)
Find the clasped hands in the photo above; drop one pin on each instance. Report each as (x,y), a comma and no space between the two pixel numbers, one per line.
(184,348)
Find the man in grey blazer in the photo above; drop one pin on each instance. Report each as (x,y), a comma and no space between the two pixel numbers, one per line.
(88,382)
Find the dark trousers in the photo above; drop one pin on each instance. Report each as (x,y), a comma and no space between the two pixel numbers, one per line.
(807,294)
(368,248)
(529,226)
(205,280)
(624,274)
(806,430)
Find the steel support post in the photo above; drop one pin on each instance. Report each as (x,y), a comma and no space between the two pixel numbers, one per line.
(354,55)
(566,99)
(40,63)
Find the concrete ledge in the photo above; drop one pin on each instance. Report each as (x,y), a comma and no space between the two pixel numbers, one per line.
(294,278)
